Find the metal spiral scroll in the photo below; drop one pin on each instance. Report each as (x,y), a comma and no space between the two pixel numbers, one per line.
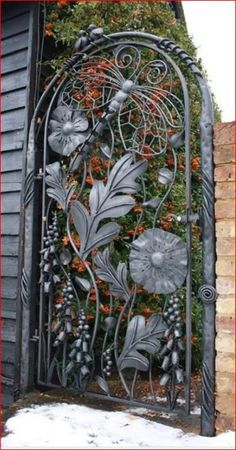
(207,294)
(134,113)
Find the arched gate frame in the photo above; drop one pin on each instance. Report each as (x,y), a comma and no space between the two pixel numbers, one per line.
(135,116)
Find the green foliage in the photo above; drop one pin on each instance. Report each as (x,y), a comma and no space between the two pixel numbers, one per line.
(64,20)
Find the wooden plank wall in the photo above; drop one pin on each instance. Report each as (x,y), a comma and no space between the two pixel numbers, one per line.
(14,97)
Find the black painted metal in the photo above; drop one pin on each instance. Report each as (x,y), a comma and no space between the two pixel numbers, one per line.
(159,261)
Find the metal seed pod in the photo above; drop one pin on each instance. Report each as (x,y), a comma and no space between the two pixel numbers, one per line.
(164,350)
(179,375)
(68,312)
(55,263)
(164,379)
(47,287)
(52,249)
(72,353)
(165,176)
(169,344)
(57,327)
(56,278)
(84,371)
(79,357)
(87,358)
(68,327)
(177,333)
(181,345)
(167,332)
(61,336)
(78,343)
(85,346)
(165,363)
(69,367)
(175,358)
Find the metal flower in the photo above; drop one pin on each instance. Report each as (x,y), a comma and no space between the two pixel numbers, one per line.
(68,130)
(158,261)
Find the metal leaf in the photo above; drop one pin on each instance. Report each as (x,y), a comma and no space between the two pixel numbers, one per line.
(103,384)
(176,140)
(65,257)
(106,150)
(165,176)
(104,235)
(96,195)
(123,174)
(153,203)
(109,323)
(141,336)
(81,220)
(116,277)
(83,284)
(56,179)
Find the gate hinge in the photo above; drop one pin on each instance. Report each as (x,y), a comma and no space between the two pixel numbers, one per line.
(35,337)
(39,175)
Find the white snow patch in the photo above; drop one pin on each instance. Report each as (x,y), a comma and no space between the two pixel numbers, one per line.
(63,426)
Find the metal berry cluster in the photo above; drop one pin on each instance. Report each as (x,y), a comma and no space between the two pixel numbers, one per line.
(79,354)
(49,263)
(107,356)
(64,314)
(171,349)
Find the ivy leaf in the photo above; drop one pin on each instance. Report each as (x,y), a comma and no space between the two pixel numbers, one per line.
(56,179)
(141,336)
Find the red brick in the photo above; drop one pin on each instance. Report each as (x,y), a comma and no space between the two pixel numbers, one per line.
(225,404)
(225,305)
(225,381)
(224,423)
(224,133)
(225,228)
(225,286)
(224,209)
(225,247)
(225,324)
(224,154)
(225,173)
(225,266)
(225,189)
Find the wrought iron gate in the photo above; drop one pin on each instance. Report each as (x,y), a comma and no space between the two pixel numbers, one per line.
(119,107)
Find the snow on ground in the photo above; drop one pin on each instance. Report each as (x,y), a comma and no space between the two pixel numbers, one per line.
(63,426)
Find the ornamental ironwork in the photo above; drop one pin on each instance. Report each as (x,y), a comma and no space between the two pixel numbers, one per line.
(123,100)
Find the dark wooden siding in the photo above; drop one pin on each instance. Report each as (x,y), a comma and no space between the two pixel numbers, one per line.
(16,36)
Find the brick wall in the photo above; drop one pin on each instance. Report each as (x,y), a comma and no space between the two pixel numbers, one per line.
(224,157)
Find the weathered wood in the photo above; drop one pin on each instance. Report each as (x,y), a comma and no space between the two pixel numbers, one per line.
(9,266)
(11,177)
(14,43)
(13,120)
(15,25)
(12,186)
(9,304)
(13,100)
(7,395)
(15,61)
(14,80)
(8,370)
(9,245)
(10,224)
(19,9)
(8,330)
(10,203)
(11,161)
(9,288)
(12,140)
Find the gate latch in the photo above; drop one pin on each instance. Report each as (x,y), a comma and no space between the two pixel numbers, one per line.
(192,218)
(39,175)
(35,337)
